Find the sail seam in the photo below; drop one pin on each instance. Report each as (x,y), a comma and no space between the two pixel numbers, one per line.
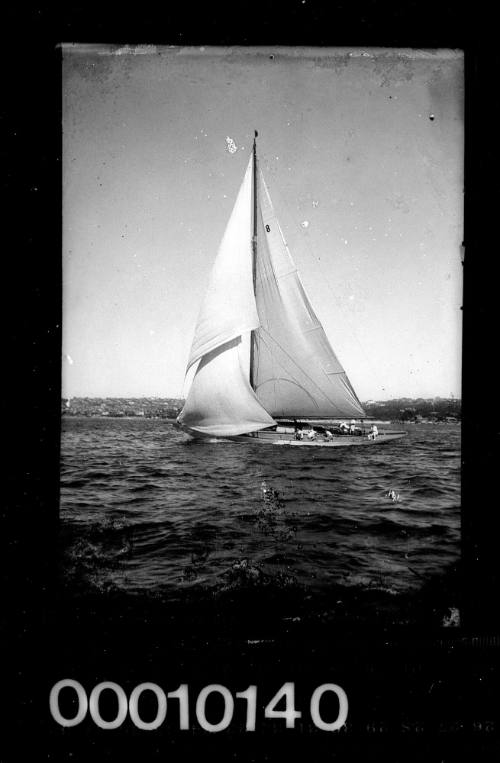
(279,276)
(288,381)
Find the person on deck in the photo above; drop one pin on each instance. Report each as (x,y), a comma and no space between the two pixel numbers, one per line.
(373,431)
(328,434)
(311,435)
(352,426)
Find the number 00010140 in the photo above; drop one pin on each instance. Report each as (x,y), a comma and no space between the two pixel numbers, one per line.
(75,697)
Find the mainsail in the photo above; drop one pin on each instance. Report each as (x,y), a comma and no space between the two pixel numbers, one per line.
(294,371)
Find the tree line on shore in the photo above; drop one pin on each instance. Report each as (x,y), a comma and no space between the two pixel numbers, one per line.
(398,409)
(407,409)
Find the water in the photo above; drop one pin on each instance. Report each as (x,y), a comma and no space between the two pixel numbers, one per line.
(145,509)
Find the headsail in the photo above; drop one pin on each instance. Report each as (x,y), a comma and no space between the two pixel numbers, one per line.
(296,373)
(221,401)
(228,309)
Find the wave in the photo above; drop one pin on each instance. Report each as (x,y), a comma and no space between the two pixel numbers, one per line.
(140,511)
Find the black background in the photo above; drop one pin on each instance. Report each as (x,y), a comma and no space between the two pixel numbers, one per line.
(413,695)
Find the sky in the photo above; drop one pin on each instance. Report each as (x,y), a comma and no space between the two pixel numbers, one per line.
(362,151)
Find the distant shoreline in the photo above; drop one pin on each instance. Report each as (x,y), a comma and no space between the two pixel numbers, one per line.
(378,422)
(399,410)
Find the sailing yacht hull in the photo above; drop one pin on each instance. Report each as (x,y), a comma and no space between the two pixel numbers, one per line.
(284,438)
(341,441)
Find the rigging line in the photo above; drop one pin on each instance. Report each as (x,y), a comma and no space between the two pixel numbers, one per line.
(292,223)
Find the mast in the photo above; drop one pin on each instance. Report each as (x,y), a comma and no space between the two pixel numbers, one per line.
(254,248)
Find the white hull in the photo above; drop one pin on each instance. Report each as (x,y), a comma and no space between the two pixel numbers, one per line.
(337,442)
(284,438)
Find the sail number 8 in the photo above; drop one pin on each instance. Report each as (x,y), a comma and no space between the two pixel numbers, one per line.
(284,699)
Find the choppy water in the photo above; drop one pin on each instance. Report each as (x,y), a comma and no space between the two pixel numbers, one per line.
(145,509)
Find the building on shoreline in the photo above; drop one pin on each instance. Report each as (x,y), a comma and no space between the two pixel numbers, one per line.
(420,411)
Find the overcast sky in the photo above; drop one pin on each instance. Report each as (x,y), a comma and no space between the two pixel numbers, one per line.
(362,151)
